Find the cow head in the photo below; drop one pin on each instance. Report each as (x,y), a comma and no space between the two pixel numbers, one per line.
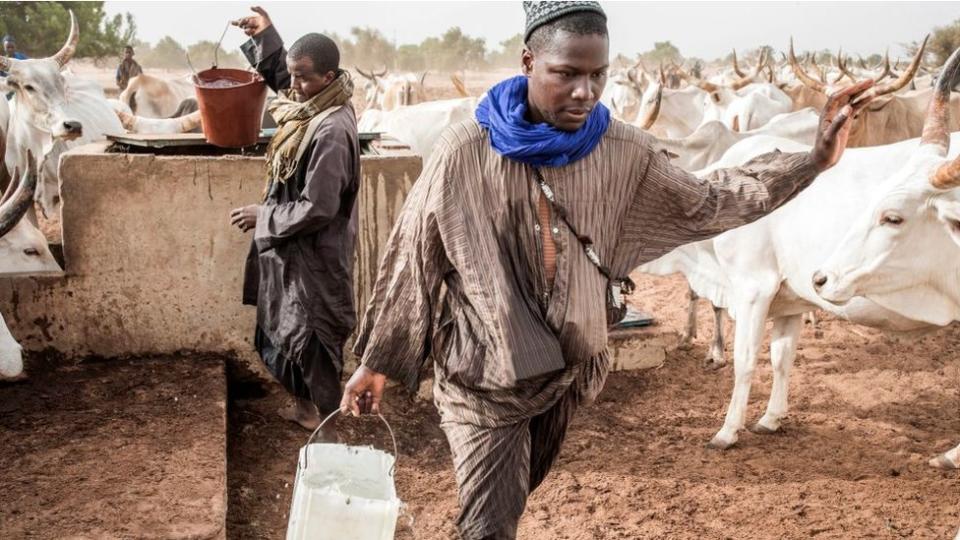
(907,242)
(373,88)
(40,89)
(626,89)
(23,248)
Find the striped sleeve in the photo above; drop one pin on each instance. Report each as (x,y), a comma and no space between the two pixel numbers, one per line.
(671,207)
(394,336)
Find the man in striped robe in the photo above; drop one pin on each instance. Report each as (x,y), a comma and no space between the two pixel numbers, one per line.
(482,276)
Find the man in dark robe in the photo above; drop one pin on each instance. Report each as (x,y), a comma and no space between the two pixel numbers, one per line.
(483,276)
(299,271)
(128,68)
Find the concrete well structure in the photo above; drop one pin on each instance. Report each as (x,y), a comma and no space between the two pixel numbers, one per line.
(153,265)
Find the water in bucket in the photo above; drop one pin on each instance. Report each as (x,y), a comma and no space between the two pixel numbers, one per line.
(231,106)
(343,492)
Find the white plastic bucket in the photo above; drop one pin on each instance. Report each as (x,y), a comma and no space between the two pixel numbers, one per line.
(344,492)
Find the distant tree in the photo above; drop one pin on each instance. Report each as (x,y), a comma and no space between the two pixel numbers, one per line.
(509,53)
(943,41)
(663,51)
(371,49)
(202,56)
(166,54)
(41,28)
(410,58)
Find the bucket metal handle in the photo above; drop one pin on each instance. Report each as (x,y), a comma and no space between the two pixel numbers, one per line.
(393,439)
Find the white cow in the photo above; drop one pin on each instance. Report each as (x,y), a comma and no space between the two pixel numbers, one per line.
(23,249)
(389,92)
(711,141)
(623,93)
(418,126)
(874,240)
(153,97)
(51,113)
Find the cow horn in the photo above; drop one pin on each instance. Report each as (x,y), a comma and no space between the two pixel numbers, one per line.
(66,52)
(736,66)
(663,76)
(844,72)
(904,78)
(936,125)
(807,80)
(654,111)
(423,77)
(762,61)
(382,72)
(364,74)
(12,210)
(886,67)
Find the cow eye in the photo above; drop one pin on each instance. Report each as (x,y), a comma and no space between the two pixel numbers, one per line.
(891,219)
(29,88)
(33,252)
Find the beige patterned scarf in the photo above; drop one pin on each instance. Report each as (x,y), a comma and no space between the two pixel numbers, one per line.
(293,118)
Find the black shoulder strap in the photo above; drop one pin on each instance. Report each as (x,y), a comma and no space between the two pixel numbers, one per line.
(584,240)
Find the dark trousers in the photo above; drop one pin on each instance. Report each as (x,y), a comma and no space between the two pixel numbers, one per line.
(316,377)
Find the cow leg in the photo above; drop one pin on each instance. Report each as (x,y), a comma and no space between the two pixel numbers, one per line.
(948,460)
(714,357)
(690,332)
(783,349)
(747,340)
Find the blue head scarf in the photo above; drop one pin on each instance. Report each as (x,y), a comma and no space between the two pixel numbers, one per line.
(503,114)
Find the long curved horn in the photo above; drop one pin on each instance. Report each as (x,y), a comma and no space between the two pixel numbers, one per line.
(364,74)
(17,205)
(736,68)
(807,80)
(382,72)
(653,112)
(844,72)
(423,77)
(936,125)
(886,67)
(66,52)
(904,78)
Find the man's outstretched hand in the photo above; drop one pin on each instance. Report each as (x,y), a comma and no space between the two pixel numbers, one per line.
(254,24)
(363,392)
(835,123)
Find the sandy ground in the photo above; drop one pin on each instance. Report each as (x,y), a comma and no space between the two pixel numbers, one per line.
(115,449)
(850,462)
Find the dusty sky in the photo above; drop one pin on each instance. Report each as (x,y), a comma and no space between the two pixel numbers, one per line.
(703,29)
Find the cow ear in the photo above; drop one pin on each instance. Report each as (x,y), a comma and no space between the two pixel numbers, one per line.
(948,212)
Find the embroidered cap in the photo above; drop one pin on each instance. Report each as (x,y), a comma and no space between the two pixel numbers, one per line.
(541,13)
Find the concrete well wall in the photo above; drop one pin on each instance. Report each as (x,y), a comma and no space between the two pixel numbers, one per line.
(152,263)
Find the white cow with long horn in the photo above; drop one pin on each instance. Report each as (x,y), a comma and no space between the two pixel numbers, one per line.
(874,240)
(23,249)
(51,113)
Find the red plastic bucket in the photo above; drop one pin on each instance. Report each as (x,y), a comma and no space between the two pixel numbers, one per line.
(231,106)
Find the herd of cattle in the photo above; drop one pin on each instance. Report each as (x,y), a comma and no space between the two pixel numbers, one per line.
(874,240)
